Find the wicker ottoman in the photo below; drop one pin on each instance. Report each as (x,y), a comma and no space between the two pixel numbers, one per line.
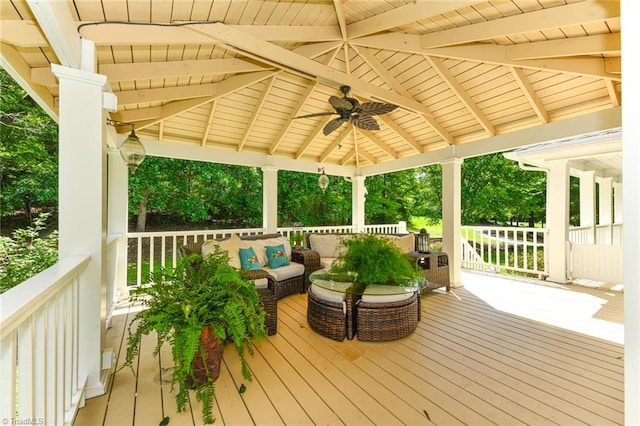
(381,321)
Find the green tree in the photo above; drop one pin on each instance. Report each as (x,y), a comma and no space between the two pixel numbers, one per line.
(496,190)
(28,152)
(195,192)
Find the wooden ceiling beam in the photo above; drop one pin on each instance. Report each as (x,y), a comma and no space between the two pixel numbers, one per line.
(603,44)
(300,65)
(402,133)
(376,140)
(338,142)
(544,19)
(450,80)
(289,122)
(402,15)
(256,112)
(225,87)
(393,82)
(486,53)
(529,92)
(312,136)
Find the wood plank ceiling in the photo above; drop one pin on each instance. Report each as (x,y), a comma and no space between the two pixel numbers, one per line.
(232,75)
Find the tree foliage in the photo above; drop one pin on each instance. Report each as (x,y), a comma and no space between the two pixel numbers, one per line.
(28,151)
(496,190)
(26,253)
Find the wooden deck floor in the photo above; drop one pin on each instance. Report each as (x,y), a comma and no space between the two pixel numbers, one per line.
(493,352)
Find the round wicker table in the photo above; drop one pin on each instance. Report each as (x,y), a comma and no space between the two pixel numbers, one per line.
(340,308)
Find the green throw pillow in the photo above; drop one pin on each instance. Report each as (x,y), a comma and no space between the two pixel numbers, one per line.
(277,256)
(249,259)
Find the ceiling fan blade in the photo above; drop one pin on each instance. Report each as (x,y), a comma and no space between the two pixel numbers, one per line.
(340,103)
(376,108)
(365,122)
(333,125)
(316,114)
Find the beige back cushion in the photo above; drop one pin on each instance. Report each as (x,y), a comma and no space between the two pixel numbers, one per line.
(327,245)
(231,245)
(406,243)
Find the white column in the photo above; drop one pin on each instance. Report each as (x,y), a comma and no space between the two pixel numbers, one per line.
(358,197)
(83,210)
(269,199)
(451,217)
(605,207)
(618,205)
(118,214)
(630,14)
(557,220)
(588,203)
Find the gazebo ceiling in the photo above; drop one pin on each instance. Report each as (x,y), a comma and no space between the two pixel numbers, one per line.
(232,75)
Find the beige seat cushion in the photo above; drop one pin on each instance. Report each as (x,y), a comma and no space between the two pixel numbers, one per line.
(376,294)
(285,272)
(328,295)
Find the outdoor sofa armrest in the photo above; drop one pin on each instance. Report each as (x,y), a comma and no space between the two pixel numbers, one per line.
(311,261)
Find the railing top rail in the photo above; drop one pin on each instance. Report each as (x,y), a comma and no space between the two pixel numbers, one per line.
(514,228)
(18,303)
(192,233)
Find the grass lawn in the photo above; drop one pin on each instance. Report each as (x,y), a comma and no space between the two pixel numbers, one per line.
(417,222)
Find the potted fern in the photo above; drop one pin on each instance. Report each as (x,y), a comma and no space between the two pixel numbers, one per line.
(196,308)
(375,260)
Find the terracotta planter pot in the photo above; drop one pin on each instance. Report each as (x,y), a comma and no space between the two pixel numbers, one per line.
(209,367)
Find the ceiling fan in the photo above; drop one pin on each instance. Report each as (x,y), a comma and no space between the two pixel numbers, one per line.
(349,109)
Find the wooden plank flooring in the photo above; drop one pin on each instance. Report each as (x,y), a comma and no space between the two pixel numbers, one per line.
(496,351)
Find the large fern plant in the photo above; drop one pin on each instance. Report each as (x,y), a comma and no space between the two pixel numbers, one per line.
(375,260)
(181,302)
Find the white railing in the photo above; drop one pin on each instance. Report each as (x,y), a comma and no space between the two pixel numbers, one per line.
(39,322)
(149,251)
(505,249)
(610,235)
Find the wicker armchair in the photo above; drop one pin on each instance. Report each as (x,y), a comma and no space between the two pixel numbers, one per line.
(381,321)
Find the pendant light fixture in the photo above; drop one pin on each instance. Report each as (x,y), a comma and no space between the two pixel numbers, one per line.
(323,180)
(131,150)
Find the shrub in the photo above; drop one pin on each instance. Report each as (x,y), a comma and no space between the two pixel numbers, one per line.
(26,253)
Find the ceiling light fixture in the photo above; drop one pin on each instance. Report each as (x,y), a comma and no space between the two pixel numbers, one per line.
(131,150)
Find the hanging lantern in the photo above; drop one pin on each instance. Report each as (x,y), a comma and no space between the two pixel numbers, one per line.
(323,181)
(422,241)
(132,151)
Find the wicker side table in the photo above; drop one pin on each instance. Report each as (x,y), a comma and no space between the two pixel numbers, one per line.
(435,266)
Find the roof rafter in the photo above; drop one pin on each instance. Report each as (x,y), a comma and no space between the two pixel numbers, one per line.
(317,131)
(529,92)
(554,17)
(301,103)
(486,53)
(224,87)
(403,15)
(300,65)
(450,80)
(256,112)
(608,44)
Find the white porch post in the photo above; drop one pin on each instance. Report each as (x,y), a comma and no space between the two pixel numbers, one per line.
(557,220)
(605,207)
(118,215)
(588,203)
(451,217)
(357,203)
(269,199)
(82,200)
(630,12)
